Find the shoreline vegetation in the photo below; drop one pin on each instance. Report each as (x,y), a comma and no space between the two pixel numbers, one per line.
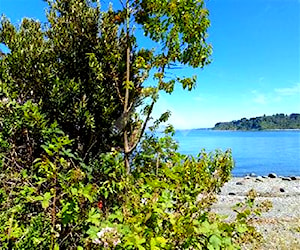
(274,122)
(233,130)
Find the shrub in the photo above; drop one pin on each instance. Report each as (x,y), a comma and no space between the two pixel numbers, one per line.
(59,202)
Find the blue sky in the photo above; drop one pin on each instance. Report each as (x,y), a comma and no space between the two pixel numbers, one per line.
(255,68)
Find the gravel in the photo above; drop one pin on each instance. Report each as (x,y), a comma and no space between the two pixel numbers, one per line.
(281,225)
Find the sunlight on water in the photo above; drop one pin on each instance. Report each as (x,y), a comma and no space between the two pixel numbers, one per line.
(260,152)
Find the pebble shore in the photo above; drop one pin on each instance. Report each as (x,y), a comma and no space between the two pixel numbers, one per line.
(281,225)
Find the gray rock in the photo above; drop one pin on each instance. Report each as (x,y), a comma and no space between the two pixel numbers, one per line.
(239,183)
(286,179)
(259,179)
(264,176)
(252,175)
(272,175)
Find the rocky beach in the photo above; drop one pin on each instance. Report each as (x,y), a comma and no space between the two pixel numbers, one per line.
(280,226)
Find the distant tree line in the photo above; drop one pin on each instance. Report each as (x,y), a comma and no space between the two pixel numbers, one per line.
(278,121)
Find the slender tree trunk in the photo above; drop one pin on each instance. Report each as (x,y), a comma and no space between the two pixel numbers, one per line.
(53,213)
(126,143)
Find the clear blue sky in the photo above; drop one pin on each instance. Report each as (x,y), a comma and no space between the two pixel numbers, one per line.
(255,68)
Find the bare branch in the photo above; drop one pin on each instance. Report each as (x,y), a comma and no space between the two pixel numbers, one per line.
(89,149)
(143,128)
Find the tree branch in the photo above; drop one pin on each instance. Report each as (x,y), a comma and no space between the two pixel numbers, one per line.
(143,128)
(126,143)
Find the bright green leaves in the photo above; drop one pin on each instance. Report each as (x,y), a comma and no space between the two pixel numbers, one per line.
(149,91)
(56,146)
(181,27)
(65,67)
(95,66)
(188,83)
(161,206)
(56,247)
(94,217)
(156,207)
(135,241)
(157,243)
(46,200)
(92,232)
(128,85)
(22,69)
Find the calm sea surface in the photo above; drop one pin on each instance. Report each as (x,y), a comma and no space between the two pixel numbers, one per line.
(259,152)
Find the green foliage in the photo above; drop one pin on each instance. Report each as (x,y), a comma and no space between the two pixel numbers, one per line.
(41,199)
(163,204)
(168,207)
(180,26)
(158,201)
(69,95)
(76,66)
(55,65)
(278,121)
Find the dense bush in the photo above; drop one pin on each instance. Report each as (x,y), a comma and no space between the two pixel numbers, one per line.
(59,202)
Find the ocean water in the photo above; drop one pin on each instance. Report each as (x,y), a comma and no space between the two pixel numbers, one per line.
(259,152)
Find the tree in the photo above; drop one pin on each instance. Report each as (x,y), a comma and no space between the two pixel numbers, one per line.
(180,27)
(50,65)
(87,65)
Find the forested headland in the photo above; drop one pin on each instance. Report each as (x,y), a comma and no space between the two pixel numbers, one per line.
(278,121)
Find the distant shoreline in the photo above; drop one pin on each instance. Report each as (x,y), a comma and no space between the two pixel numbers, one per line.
(273,122)
(242,130)
(258,130)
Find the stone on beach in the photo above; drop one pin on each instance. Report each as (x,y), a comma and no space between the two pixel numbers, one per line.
(272,175)
(283,194)
(286,178)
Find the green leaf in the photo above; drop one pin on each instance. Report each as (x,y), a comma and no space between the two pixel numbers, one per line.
(94,217)
(215,241)
(46,200)
(139,241)
(86,192)
(205,227)
(153,244)
(241,228)
(117,215)
(92,232)
(48,151)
